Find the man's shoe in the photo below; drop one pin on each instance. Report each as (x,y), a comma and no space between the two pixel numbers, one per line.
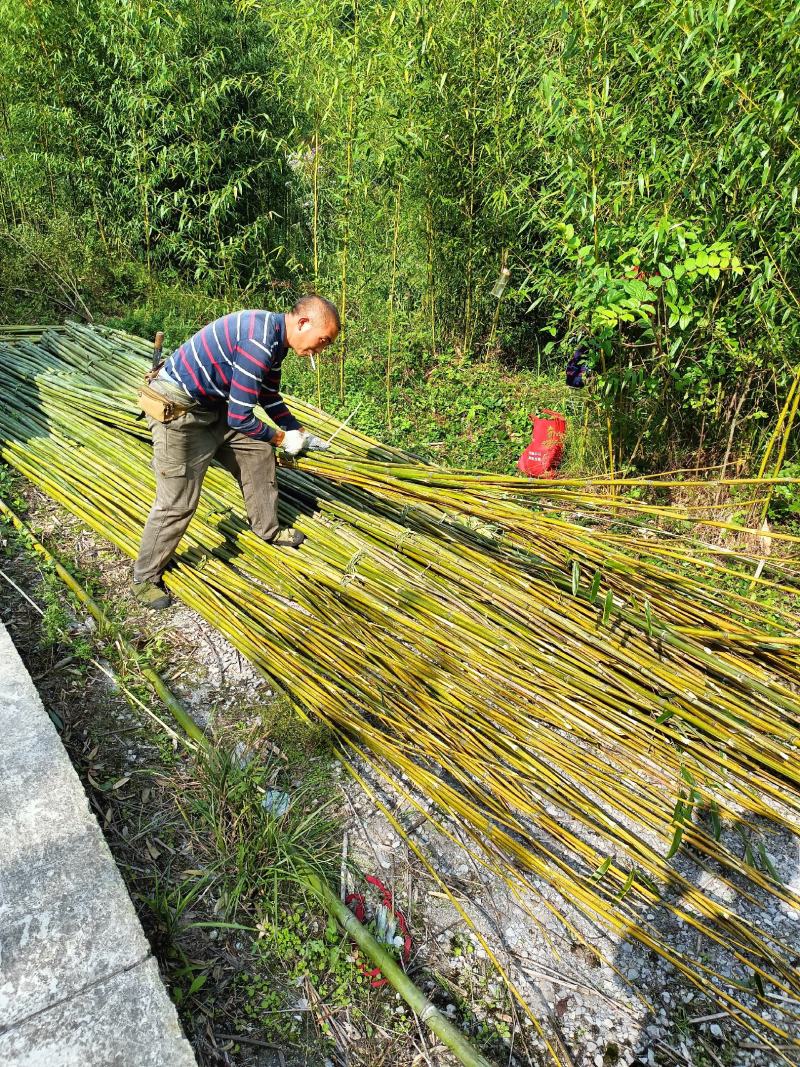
(151,595)
(288,537)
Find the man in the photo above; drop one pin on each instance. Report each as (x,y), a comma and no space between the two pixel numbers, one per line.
(213,381)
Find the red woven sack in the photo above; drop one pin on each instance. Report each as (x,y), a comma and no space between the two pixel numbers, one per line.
(543,455)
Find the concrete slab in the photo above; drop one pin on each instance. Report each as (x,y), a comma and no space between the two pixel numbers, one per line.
(124,1021)
(68,929)
(41,796)
(66,921)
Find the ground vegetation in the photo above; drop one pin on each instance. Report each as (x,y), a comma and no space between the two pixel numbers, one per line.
(635,170)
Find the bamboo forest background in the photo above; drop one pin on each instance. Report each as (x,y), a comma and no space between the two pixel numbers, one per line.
(634,166)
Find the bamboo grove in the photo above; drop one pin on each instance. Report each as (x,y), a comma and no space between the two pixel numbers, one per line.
(635,167)
(607,714)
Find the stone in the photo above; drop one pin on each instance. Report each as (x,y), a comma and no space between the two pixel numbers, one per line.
(78,985)
(65,922)
(125,1020)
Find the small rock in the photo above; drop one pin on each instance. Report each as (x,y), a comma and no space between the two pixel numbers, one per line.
(715,1030)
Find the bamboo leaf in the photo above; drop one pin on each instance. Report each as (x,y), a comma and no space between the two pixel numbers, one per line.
(716,822)
(676,842)
(627,885)
(595,586)
(602,869)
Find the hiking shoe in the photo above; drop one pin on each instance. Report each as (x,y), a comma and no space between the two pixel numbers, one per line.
(151,595)
(288,537)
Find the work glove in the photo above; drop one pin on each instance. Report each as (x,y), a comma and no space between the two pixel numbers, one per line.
(294,442)
(298,442)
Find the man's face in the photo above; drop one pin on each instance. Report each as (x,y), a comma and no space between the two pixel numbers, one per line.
(313,337)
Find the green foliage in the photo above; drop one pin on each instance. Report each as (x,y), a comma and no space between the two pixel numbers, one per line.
(636,170)
(452,410)
(10,493)
(173,308)
(160,126)
(255,852)
(55,621)
(307,946)
(785,501)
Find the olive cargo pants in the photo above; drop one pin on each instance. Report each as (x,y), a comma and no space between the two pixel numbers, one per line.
(182,452)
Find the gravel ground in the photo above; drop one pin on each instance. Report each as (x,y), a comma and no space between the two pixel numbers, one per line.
(609,999)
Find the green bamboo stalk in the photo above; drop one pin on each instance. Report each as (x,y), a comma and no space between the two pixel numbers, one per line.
(399,980)
(390,323)
(788,414)
(350,132)
(429,243)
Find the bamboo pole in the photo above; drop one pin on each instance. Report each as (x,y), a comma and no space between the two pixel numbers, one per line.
(427,1012)
(390,324)
(787,416)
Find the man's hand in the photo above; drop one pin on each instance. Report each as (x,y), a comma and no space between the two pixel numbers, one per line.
(298,442)
(294,442)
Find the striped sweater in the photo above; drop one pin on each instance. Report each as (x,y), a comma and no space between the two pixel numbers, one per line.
(236,360)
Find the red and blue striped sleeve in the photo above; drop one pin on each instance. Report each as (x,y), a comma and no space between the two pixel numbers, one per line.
(273,403)
(251,364)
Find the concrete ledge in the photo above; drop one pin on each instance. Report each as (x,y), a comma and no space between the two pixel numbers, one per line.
(77,983)
(126,1020)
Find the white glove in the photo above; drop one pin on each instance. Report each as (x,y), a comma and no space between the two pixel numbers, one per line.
(294,442)
(316,444)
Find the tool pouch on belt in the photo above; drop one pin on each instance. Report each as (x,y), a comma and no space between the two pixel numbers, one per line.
(157,406)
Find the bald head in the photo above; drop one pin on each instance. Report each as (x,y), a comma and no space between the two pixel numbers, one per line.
(318,309)
(312,324)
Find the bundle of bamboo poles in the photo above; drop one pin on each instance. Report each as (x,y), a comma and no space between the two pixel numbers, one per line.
(594,700)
